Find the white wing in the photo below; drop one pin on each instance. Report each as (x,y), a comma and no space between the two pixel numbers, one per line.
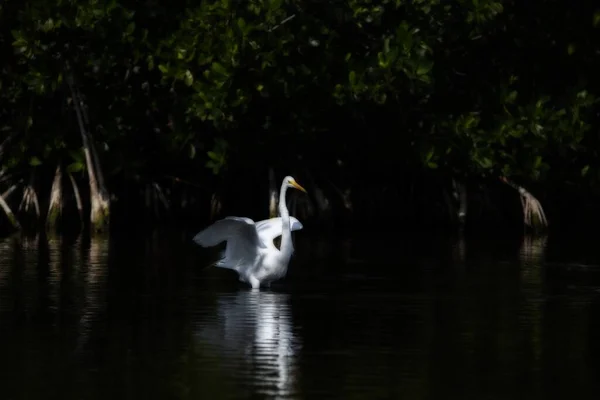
(269,229)
(242,239)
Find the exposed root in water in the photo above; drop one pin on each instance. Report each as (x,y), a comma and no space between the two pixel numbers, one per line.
(160,196)
(345,195)
(56,199)
(78,201)
(460,195)
(7,210)
(99,198)
(11,189)
(30,198)
(154,197)
(533,213)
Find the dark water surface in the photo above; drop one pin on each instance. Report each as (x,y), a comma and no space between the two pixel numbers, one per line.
(402,318)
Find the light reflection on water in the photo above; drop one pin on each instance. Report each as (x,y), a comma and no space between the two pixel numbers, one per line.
(254,332)
(114,318)
(95,266)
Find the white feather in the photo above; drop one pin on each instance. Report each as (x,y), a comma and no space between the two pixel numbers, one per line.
(250,249)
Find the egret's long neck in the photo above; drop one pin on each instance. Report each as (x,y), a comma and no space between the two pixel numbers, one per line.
(287,247)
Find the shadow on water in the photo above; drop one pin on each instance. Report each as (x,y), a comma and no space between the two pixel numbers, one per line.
(138,317)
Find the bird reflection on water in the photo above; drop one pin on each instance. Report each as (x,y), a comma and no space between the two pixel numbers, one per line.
(466,319)
(254,328)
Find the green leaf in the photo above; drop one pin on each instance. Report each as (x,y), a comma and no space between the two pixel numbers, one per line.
(213,155)
(181,53)
(76,167)
(241,24)
(585,170)
(381,98)
(130,28)
(537,162)
(511,97)
(218,68)
(34,161)
(150,61)
(163,68)
(485,163)
(77,155)
(20,42)
(470,120)
(383,62)
(48,25)
(429,155)
(424,68)
(352,78)
(188,78)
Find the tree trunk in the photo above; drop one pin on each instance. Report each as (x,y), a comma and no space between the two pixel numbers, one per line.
(99,198)
(215,206)
(11,189)
(161,198)
(56,200)
(272,194)
(11,216)
(321,201)
(460,196)
(77,197)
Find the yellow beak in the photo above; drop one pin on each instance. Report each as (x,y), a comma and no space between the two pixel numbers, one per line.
(297,186)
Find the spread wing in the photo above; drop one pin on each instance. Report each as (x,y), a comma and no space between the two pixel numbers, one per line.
(269,229)
(242,239)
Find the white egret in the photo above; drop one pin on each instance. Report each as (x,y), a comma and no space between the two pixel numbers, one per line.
(250,250)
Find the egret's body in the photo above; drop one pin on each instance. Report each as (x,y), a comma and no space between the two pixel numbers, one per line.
(250,249)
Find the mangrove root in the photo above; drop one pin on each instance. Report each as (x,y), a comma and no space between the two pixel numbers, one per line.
(533,213)
(77,196)
(56,199)
(154,197)
(215,206)
(7,210)
(30,198)
(160,196)
(100,200)
(460,196)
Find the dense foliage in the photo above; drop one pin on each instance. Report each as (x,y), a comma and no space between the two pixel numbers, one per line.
(360,99)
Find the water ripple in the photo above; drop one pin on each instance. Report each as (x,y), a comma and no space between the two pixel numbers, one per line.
(104,318)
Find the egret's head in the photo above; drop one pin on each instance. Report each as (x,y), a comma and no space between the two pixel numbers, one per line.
(291,182)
